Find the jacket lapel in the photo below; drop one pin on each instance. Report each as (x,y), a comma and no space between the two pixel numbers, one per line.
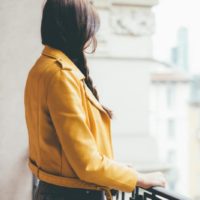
(92,98)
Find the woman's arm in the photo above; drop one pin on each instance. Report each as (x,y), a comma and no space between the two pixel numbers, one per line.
(77,141)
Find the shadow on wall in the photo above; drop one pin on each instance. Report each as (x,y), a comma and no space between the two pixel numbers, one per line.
(16,179)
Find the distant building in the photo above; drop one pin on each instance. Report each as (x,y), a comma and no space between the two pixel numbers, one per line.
(170,90)
(195,89)
(175,118)
(179,53)
(169,119)
(194,139)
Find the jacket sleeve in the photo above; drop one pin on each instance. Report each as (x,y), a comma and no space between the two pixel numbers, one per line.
(66,110)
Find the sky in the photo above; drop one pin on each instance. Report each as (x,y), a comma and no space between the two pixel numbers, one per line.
(170,16)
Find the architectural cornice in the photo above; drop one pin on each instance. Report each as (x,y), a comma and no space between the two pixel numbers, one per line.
(136,2)
(127,3)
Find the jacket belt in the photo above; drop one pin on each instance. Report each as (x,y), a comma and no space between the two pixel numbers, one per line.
(66,181)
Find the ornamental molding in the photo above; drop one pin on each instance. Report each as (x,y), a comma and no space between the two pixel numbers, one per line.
(107,3)
(132,22)
(130,27)
(136,2)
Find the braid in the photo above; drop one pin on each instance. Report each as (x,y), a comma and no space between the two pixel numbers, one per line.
(82,64)
(71,26)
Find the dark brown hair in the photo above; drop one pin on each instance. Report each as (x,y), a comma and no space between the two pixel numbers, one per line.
(68,25)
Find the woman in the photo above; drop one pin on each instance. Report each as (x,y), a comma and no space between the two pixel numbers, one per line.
(70,143)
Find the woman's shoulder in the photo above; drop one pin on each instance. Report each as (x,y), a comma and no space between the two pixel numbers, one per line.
(59,63)
(53,67)
(47,69)
(61,60)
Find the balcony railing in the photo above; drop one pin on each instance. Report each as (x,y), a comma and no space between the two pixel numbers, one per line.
(155,193)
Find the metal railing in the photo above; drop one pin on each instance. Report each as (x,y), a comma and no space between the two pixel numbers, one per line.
(155,193)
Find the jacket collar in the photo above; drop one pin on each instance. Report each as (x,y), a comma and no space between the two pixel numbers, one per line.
(63,59)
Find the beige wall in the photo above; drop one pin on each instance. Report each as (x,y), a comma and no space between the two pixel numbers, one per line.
(19,39)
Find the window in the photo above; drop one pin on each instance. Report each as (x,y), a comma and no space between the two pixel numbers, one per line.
(171,156)
(171,129)
(170,95)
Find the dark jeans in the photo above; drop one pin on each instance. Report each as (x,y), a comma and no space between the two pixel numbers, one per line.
(46,191)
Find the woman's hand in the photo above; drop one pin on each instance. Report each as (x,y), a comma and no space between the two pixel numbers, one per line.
(148,180)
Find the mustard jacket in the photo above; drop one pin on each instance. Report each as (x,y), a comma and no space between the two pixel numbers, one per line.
(70,142)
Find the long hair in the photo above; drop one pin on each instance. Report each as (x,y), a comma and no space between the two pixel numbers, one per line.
(71,26)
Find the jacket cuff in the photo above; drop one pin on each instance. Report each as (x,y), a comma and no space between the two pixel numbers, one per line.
(130,187)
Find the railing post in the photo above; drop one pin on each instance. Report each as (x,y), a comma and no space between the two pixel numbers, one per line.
(123,195)
(136,195)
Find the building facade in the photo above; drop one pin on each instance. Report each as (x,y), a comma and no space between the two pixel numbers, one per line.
(169,124)
(121,68)
(194,138)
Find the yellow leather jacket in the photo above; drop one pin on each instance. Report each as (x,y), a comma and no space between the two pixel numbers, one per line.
(70,141)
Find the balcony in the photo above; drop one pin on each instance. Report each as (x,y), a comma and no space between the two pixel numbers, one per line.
(155,193)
